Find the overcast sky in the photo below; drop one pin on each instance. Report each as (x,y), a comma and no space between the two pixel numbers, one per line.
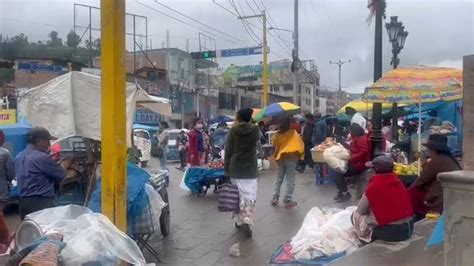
(440,31)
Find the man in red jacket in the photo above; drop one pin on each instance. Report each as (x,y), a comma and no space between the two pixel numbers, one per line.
(360,152)
(384,212)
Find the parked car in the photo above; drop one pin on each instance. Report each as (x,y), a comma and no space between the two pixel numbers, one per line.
(142,139)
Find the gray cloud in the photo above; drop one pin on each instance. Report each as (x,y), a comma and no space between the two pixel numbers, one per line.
(441,32)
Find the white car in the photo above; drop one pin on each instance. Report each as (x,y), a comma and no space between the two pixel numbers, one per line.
(142,139)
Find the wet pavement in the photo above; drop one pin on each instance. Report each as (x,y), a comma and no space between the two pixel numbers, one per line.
(201,235)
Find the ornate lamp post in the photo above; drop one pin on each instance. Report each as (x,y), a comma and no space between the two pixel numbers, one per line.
(397,36)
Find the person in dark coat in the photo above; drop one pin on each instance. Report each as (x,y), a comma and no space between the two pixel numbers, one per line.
(426,193)
(240,164)
(307,136)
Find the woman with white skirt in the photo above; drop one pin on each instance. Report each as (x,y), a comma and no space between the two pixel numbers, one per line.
(241,166)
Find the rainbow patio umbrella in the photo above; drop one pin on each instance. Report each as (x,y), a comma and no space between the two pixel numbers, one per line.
(417,85)
(277,109)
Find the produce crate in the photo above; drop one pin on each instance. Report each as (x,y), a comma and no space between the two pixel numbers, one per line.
(317,156)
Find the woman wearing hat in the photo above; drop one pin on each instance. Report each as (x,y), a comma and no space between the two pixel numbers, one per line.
(426,193)
(384,212)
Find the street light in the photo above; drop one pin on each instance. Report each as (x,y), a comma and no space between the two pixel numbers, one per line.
(397,36)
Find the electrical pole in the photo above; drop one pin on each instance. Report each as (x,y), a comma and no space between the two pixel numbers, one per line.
(295,56)
(90,38)
(339,91)
(265,63)
(265,51)
(134,53)
(113,121)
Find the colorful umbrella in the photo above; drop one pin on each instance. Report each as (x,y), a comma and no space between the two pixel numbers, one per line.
(363,107)
(419,84)
(416,85)
(255,112)
(277,109)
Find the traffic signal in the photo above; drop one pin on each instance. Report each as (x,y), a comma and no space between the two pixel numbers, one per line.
(203,55)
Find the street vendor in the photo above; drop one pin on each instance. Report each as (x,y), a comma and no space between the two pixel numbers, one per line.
(360,153)
(384,212)
(37,173)
(197,147)
(426,193)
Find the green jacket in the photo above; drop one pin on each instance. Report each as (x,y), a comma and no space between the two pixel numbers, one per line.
(240,160)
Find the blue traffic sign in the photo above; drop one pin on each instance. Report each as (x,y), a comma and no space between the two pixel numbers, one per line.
(241,51)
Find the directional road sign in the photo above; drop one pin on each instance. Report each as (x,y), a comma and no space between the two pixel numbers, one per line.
(240,51)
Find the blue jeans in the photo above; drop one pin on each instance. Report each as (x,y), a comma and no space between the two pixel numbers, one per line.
(286,171)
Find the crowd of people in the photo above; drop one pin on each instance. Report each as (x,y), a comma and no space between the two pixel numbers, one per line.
(387,210)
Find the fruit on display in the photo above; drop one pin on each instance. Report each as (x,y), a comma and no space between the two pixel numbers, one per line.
(216,164)
(406,169)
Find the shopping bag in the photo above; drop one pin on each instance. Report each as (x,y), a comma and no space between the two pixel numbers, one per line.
(228,198)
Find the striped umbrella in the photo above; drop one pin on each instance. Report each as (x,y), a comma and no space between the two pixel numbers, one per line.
(277,109)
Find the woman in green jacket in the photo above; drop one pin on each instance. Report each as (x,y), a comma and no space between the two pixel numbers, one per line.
(240,164)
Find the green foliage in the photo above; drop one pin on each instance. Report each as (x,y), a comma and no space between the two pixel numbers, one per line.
(73,39)
(19,47)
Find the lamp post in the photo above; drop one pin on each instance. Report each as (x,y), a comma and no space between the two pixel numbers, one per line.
(397,36)
(339,91)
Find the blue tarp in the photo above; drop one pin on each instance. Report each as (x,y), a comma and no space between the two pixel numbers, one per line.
(437,237)
(137,198)
(15,137)
(196,177)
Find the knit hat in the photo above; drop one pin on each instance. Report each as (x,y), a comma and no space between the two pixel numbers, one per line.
(382,164)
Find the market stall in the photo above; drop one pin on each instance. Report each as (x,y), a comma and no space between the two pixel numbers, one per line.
(78,125)
(417,85)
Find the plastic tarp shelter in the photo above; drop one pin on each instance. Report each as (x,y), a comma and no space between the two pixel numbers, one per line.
(71,105)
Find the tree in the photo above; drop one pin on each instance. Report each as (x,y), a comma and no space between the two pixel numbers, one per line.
(73,39)
(55,40)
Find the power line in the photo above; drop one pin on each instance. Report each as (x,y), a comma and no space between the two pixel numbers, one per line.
(233,13)
(244,22)
(197,21)
(272,23)
(184,22)
(280,42)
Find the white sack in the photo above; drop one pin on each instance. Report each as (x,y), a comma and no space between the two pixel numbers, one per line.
(156,204)
(337,158)
(325,234)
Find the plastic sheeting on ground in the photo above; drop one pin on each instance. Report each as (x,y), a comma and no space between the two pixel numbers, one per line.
(325,234)
(195,177)
(137,198)
(89,237)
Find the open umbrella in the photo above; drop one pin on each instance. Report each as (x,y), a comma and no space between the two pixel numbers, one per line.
(417,85)
(277,109)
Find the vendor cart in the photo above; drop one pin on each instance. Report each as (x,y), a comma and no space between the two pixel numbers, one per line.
(198,180)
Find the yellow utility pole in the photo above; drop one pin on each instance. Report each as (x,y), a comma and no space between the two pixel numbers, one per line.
(114,144)
(265,51)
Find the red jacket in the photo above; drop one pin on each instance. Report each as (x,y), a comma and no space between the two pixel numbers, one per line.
(360,150)
(193,151)
(388,199)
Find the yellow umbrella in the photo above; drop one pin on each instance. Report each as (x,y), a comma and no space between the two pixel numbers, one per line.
(363,107)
